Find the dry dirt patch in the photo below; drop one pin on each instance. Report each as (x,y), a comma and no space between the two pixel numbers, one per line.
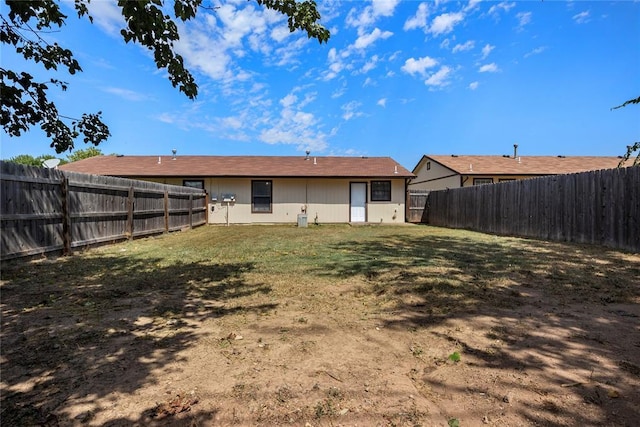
(329,325)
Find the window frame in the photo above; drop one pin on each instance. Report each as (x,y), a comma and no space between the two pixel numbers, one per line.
(477,181)
(254,196)
(372,186)
(199,181)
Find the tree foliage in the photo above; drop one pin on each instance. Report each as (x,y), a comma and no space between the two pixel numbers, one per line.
(29,160)
(84,154)
(635,147)
(631,101)
(25,101)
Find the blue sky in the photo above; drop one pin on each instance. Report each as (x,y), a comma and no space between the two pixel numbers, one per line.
(397,78)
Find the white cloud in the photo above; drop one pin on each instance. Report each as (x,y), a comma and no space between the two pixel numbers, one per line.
(394,55)
(384,7)
(280,33)
(362,20)
(443,24)
(370,65)
(339,91)
(473,85)
(382,102)
(472,4)
(366,40)
(288,53)
(463,47)
(351,110)
(166,118)
(419,20)
(232,122)
(486,50)
(505,6)
(335,65)
(524,18)
(214,41)
(489,68)
(413,66)
(535,51)
(294,127)
(206,54)
(582,17)
(107,15)
(288,100)
(365,18)
(237,23)
(439,78)
(127,94)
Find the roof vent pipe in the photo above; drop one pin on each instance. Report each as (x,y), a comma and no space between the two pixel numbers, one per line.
(159,160)
(515,151)
(315,162)
(395,169)
(174,151)
(307,152)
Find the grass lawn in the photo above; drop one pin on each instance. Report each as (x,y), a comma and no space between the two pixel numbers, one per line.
(326,325)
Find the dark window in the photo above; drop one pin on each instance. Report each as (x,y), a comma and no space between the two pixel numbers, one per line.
(428,165)
(380,191)
(193,183)
(506,179)
(480,181)
(261,196)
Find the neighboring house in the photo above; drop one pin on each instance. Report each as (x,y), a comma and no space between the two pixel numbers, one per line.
(265,189)
(443,172)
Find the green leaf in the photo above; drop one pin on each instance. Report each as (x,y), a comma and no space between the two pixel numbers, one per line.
(455,356)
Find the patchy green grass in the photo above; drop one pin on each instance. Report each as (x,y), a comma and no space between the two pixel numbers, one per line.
(310,324)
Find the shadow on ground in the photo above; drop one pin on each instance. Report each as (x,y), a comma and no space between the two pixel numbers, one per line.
(80,328)
(562,311)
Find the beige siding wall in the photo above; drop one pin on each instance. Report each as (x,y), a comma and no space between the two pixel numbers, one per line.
(388,212)
(437,177)
(325,200)
(328,200)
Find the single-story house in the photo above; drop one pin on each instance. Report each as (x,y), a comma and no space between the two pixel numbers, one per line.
(440,172)
(271,189)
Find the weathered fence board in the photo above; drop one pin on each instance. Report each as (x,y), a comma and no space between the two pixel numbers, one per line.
(44,210)
(417,206)
(599,207)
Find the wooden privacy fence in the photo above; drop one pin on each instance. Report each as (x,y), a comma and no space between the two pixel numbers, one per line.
(44,210)
(416,203)
(599,207)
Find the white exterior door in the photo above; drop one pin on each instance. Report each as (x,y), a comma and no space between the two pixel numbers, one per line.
(358,201)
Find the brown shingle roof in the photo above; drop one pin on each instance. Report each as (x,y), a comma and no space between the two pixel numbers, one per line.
(240,166)
(526,165)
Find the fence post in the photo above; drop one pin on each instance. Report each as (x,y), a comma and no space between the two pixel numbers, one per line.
(166,210)
(190,210)
(130,201)
(206,208)
(66,216)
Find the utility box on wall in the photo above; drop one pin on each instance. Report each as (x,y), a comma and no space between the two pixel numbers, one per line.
(302,220)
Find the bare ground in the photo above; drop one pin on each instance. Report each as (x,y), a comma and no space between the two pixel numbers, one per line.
(372,326)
